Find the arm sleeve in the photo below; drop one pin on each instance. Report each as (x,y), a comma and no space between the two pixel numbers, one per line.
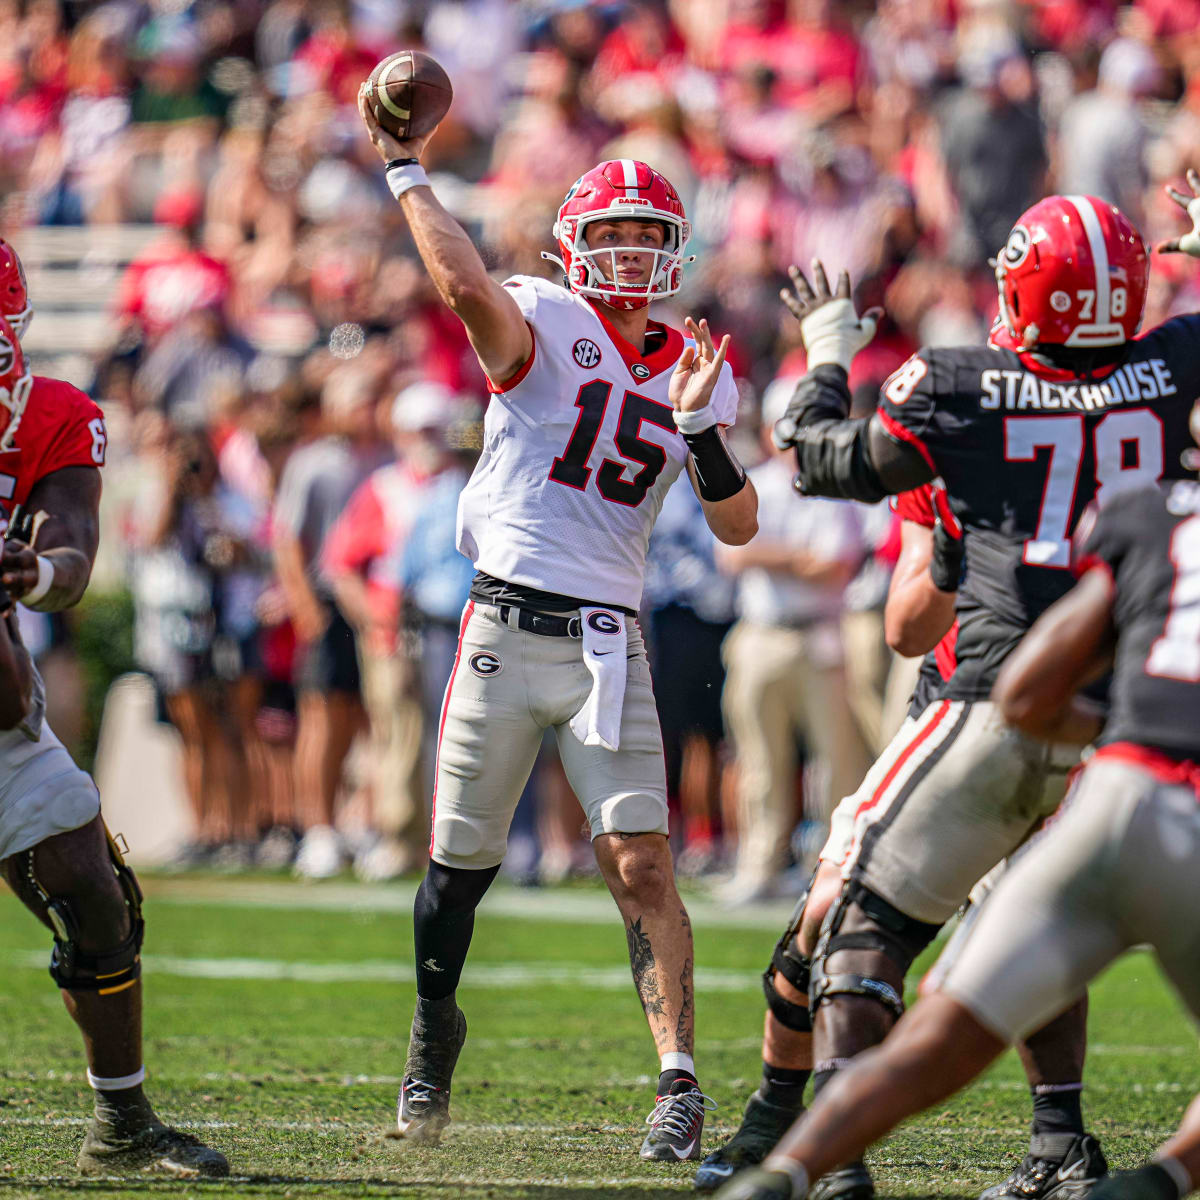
(849,459)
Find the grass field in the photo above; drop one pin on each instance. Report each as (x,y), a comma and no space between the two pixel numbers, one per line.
(277,1019)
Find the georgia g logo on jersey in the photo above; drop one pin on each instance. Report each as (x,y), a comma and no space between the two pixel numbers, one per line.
(8,355)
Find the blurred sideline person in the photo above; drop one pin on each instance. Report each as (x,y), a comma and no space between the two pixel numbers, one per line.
(190,549)
(360,559)
(785,665)
(690,605)
(958,790)
(316,486)
(55,851)
(596,409)
(1116,868)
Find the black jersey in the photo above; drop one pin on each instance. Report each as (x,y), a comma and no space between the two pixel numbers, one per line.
(1022,451)
(1149,539)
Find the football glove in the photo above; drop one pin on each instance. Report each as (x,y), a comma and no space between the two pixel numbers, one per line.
(832,330)
(1188,243)
(946,562)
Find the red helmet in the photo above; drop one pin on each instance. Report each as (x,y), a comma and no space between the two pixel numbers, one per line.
(1072,273)
(621,189)
(14,293)
(15,382)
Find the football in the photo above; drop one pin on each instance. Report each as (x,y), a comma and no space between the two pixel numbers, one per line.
(409,93)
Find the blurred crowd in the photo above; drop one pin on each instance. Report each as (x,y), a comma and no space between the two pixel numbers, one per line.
(292,413)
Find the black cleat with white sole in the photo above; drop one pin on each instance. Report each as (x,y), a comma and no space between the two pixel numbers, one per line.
(763,1124)
(439,1030)
(677,1123)
(1065,1166)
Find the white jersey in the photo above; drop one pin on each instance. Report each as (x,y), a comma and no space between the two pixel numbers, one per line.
(580,447)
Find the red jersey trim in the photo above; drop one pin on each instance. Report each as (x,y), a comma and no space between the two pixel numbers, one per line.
(1092,562)
(507,385)
(903,434)
(916,506)
(945,653)
(1161,766)
(657,361)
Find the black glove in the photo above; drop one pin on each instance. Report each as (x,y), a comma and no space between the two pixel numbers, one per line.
(949,548)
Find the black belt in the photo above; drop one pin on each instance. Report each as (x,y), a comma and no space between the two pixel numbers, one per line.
(545,624)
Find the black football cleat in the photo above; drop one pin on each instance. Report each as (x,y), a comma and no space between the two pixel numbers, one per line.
(1065,1166)
(155,1148)
(851,1182)
(763,1124)
(423,1109)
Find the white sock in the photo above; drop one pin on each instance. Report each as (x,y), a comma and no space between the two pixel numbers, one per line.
(678,1062)
(101,1084)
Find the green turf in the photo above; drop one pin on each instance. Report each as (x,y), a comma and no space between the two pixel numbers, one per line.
(298,1076)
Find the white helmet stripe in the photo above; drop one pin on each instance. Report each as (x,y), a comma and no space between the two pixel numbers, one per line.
(1091,226)
(630,169)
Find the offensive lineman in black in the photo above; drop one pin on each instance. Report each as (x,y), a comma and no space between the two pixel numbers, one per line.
(1118,868)
(1063,404)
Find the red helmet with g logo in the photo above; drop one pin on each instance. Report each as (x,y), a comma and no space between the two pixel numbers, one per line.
(15,382)
(621,189)
(1072,273)
(14,293)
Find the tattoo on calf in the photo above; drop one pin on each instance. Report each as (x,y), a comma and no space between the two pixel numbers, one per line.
(645,969)
(684,1026)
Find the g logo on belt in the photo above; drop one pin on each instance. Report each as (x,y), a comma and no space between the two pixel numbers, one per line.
(603,622)
(485,663)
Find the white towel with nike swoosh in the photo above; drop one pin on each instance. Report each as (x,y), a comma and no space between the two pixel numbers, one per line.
(598,722)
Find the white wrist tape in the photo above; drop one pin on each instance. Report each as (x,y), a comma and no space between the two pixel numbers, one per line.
(1190,242)
(793,1170)
(834,334)
(100,1084)
(696,421)
(44,580)
(400,179)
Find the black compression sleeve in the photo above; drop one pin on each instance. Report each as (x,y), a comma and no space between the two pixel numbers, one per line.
(718,474)
(843,458)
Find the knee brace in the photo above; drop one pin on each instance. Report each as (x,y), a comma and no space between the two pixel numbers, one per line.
(794,967)
(104,972)
(886,930)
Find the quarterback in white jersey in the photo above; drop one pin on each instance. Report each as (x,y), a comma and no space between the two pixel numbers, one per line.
(595,411)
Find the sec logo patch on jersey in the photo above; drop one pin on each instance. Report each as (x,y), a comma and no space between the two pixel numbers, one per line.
(586,353)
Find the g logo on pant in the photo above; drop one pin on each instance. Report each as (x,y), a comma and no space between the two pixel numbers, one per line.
(603,622)
(485,663)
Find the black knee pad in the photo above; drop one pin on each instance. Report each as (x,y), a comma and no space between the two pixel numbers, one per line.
(105,972)
(887,931)
(794,967)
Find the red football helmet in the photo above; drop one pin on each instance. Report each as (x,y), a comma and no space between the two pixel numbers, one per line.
(621,189)
(15,382)
(14,293)
(1072,273)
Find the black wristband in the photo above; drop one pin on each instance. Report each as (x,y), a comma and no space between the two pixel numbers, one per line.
(718,474)
(399,162)
(946,562)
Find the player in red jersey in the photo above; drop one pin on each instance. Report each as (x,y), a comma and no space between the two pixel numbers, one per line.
(55,850)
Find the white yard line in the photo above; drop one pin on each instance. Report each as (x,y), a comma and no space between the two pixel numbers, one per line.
(484,975)
(535,904)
